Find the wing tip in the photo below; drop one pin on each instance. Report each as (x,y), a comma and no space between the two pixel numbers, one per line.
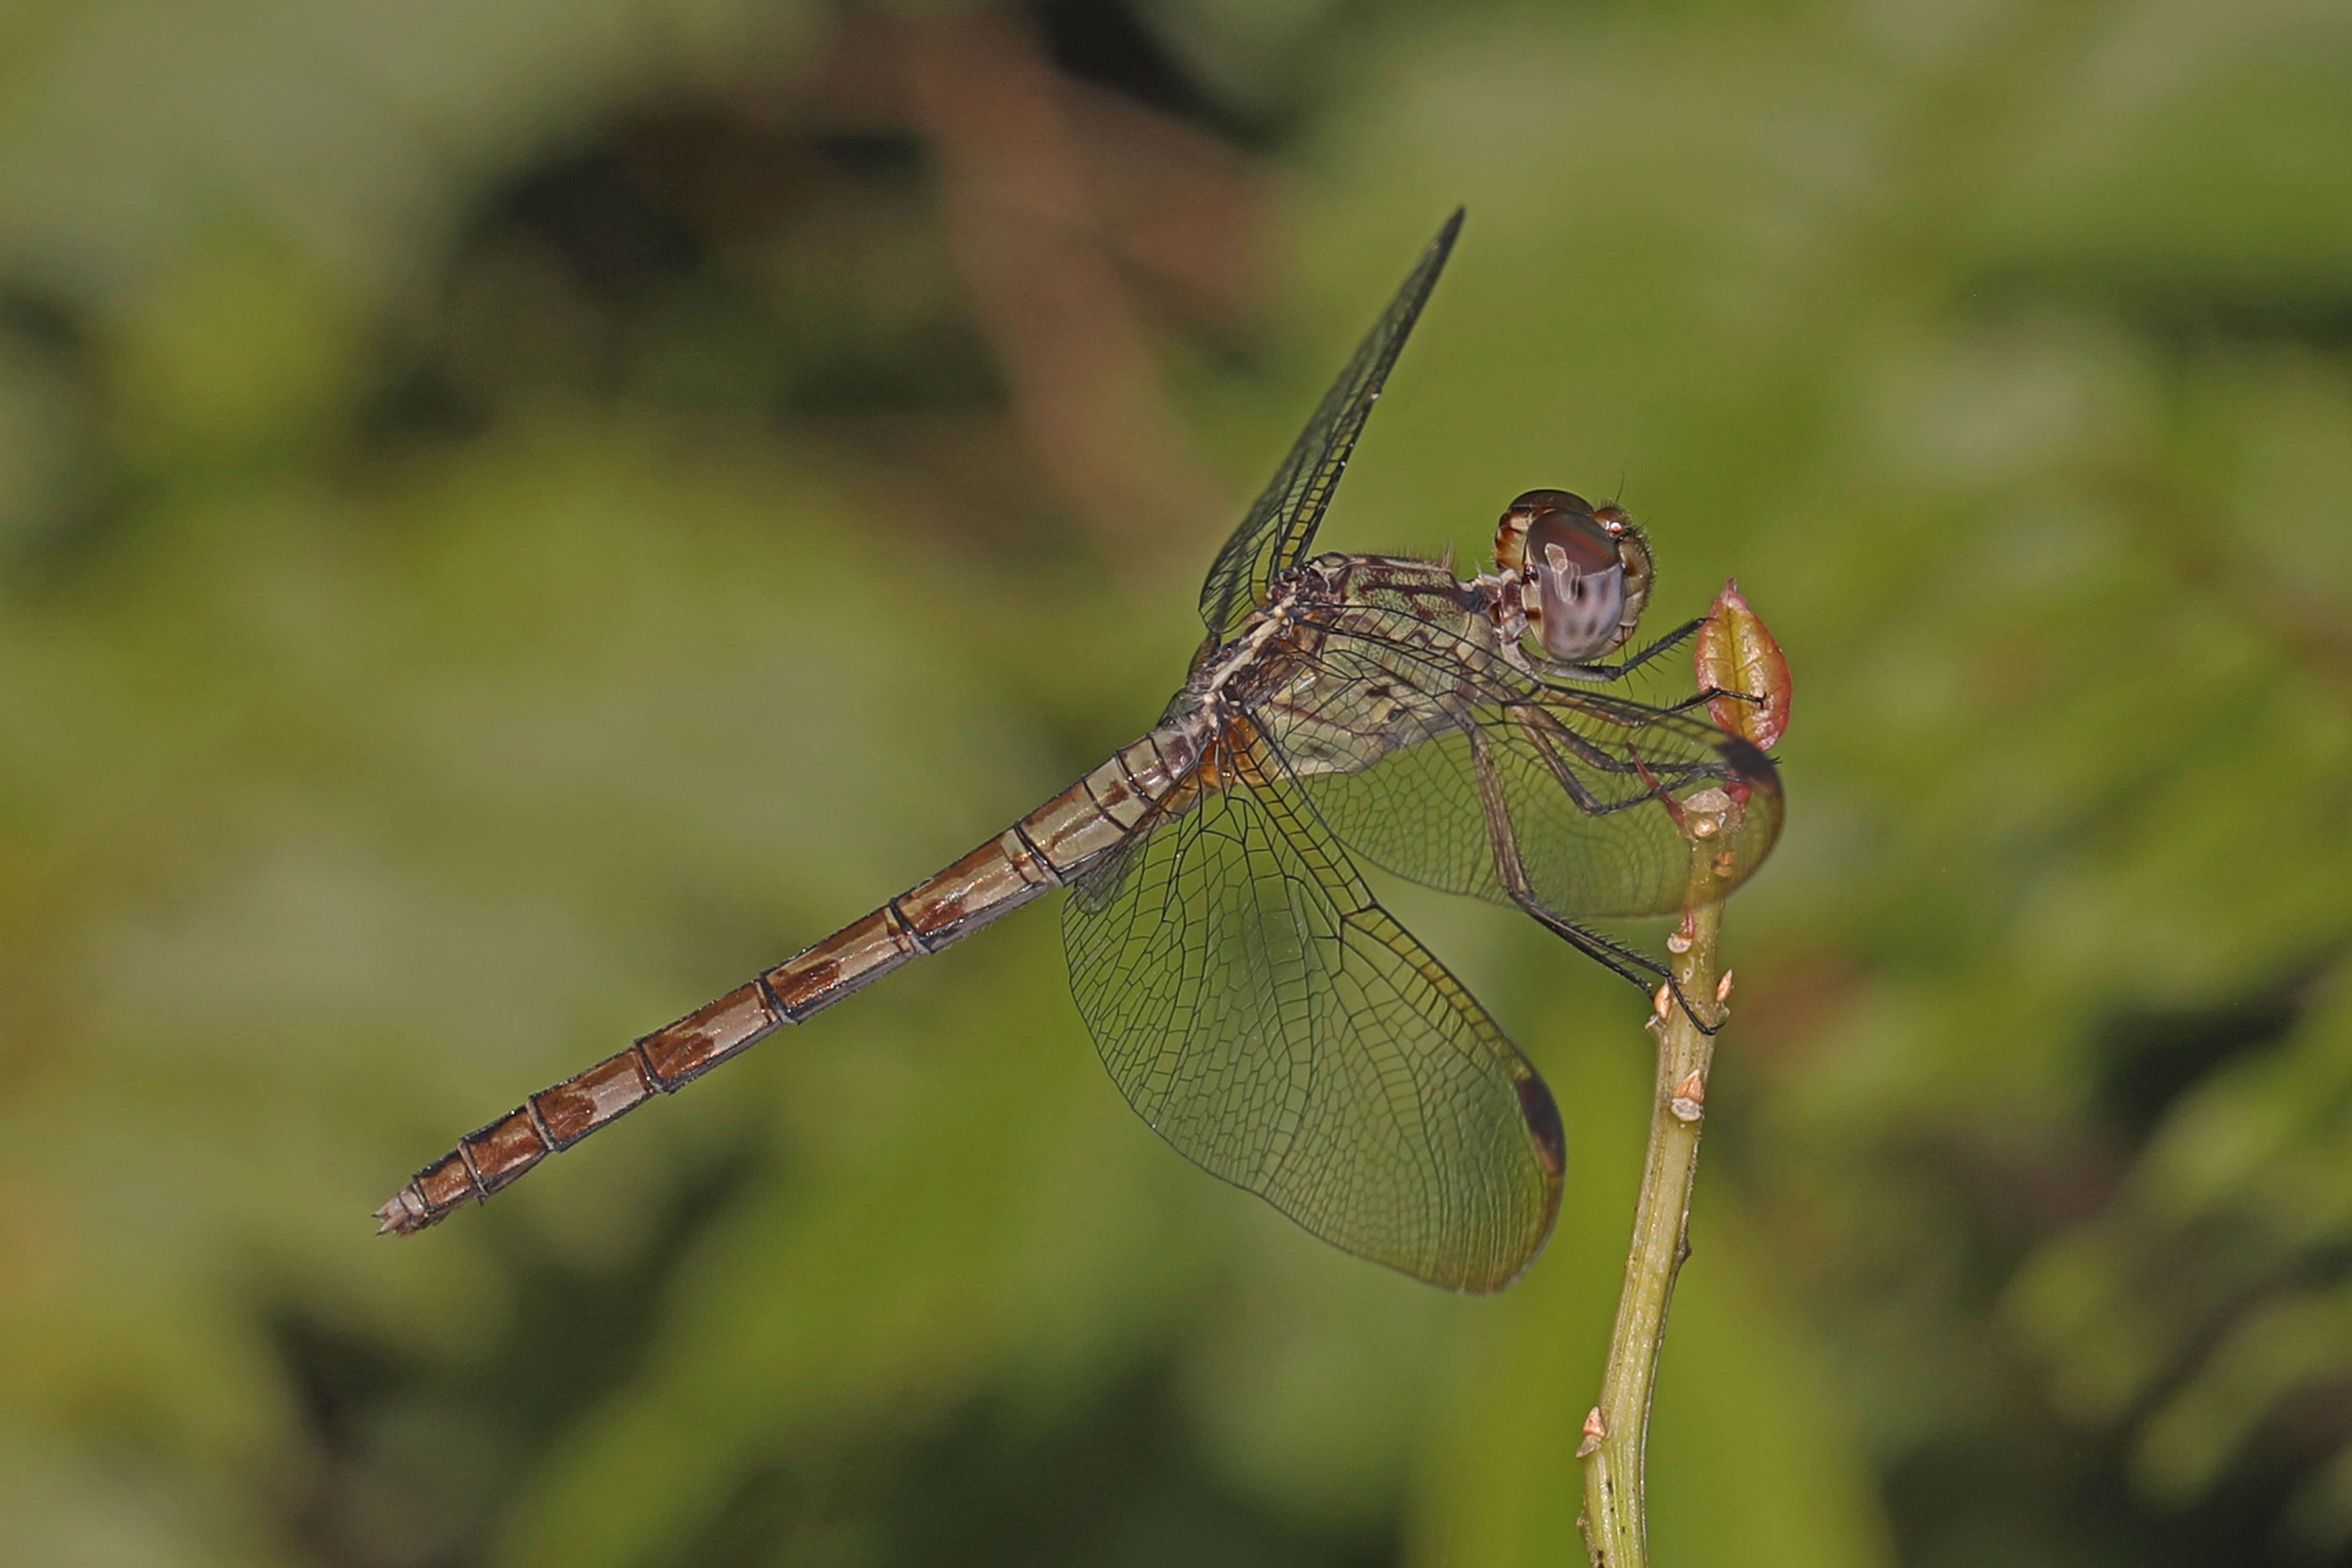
(1447,233)
(1751,764)
(1542,1113)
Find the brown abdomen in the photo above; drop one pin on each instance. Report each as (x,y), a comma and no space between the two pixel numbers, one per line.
(1043,851)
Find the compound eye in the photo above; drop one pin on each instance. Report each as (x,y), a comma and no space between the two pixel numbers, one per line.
(1578,583)
(1532,504)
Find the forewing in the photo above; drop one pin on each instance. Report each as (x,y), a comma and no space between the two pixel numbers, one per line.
(1280,528)
(1271,1021)
(1582,779)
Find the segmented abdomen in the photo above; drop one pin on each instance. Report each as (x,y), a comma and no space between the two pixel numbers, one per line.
(1047,847)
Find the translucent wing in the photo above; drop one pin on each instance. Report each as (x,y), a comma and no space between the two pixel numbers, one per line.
(1424,755)
(1280,528)
(1271,1021)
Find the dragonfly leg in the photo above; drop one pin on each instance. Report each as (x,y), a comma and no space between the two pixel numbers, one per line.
(1541,731)
(1557,674)
(1502,840)
(1642,971)
(1710,695)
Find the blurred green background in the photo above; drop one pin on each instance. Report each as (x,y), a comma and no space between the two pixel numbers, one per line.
(516,513)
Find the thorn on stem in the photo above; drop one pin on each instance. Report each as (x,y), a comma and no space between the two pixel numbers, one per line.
(1689,1101)
(1596,1431)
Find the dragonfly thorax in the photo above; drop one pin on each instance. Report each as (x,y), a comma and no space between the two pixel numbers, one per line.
(1583,572)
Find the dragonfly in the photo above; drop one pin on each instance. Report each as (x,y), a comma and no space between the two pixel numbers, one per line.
(1251,998)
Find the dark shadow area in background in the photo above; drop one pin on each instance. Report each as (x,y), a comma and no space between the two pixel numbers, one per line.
(2043,1498)
(2148,1059)
(414,1462)
(80,492)
(1102,42)
(1117,1482)
(2181,307)
(697,260)
(2037,1489)
(779,257)
(694,219)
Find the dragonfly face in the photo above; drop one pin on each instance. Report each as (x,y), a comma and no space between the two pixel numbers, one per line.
(1248,994)
(1583,572)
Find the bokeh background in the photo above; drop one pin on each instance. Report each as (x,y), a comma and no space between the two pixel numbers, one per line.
(516,513)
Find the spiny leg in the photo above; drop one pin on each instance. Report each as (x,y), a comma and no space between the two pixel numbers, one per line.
(1710,695)
(1502,840)
(1543,731)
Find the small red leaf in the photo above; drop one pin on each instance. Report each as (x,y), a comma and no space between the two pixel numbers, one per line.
(1736,652)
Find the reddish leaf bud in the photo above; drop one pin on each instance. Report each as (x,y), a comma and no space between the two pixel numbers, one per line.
(1737,653)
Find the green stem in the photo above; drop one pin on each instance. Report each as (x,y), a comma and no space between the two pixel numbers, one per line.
(1616,1434)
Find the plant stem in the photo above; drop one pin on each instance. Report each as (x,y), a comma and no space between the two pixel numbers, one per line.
(1616,1434)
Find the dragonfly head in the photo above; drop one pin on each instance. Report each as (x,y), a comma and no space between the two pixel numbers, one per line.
(1584,572)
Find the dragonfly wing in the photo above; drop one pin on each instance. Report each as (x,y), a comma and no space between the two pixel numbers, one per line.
(1280,528)
(1274,1023)
(1580,778)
